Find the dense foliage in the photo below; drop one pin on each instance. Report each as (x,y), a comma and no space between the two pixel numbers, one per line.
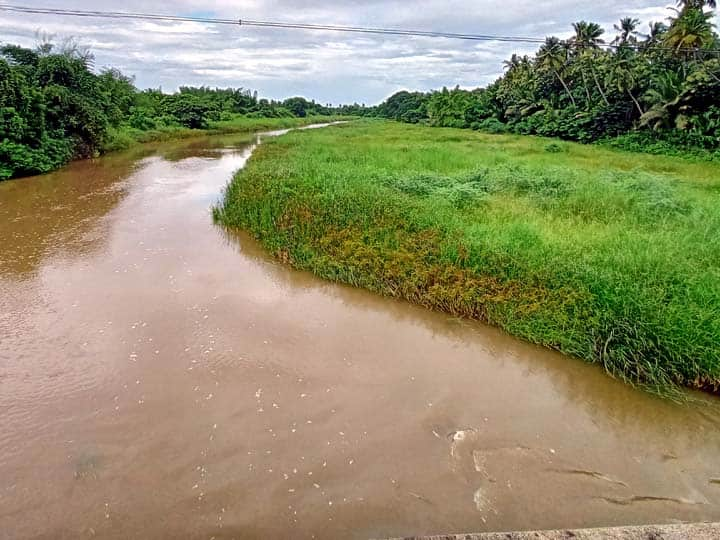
(54,107)
(659,91)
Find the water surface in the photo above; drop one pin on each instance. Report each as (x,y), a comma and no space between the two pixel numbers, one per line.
(161,378)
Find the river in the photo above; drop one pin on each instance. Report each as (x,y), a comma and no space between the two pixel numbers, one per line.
(163,378)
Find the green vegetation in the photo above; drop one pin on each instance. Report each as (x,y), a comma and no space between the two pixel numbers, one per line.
(127,136)
(657,91)
(605,255)
(54,108)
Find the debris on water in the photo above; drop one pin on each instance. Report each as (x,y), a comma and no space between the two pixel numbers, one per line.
(714,480)
(420,497)
(481,501)
(461,434)
(592,474)
(480,462)
(649,498)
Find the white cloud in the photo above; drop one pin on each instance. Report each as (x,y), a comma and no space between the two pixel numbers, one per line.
(329,67)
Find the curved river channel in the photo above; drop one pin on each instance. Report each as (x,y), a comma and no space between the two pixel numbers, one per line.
(162,378)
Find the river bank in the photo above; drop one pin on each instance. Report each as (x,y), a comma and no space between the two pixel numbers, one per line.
(696,531)
(124,138)
(607,256)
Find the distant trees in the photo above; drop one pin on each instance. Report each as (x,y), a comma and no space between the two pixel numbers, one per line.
(405,106)
(663,85)
(55,107)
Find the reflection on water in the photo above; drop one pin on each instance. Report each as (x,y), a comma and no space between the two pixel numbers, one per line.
(60,211)
(163,378)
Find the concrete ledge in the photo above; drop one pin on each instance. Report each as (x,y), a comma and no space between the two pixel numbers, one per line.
(691,531)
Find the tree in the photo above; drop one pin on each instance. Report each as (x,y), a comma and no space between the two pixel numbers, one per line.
(553,56)
(690,31)
(697,4)
(656,31)
(625,74)
(189,110)
(627,28)
(587,35)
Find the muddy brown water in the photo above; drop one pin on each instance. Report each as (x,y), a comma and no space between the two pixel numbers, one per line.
(162,378)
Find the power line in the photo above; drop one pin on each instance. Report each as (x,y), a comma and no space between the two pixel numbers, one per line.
(265,24)
(301,26)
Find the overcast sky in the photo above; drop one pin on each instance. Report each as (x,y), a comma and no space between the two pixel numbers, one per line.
(330,67)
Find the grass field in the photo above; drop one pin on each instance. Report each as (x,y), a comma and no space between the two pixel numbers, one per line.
(607,256)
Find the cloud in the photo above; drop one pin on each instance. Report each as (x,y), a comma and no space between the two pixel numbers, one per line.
(329,67)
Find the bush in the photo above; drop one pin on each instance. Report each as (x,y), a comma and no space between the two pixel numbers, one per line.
(491,125)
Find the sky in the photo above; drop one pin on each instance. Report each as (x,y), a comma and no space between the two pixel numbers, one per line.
(328,67)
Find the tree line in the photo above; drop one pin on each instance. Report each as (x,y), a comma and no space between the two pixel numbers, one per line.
(54,107)
(655,88)
(651,89)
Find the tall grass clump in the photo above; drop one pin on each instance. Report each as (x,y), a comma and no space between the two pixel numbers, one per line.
(608,256)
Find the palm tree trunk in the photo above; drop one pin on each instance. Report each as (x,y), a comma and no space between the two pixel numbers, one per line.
(587,91)
(635,101)
(597,83)
(562,81)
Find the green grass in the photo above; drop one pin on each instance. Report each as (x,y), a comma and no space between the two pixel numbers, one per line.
(608,256)
(125,137)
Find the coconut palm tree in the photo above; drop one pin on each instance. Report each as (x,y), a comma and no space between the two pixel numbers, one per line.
(627,28)
(655,32)
(512,63)
(625,74)
(587,35)
(553,57)
(690,31)
(697,4)
(587,40)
